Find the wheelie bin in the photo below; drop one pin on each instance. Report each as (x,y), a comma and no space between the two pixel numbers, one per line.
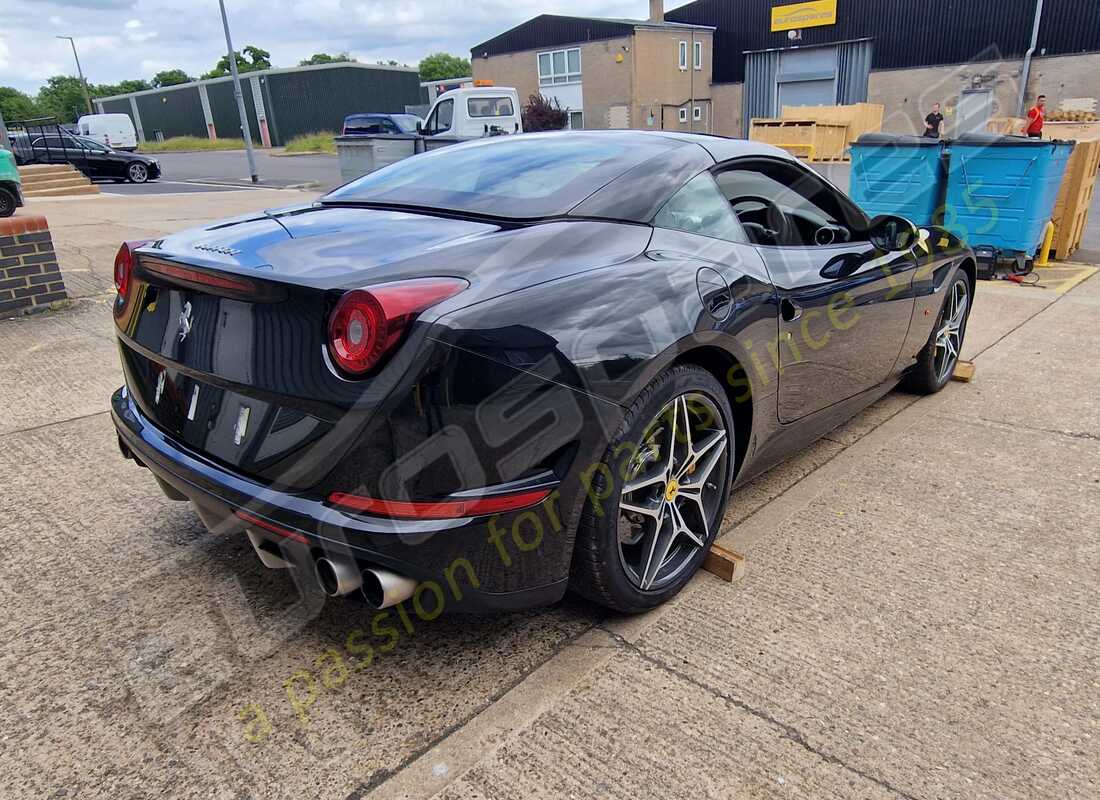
(901,175)
(1001,192)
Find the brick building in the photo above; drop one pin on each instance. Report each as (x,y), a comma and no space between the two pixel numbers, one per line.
(759,55)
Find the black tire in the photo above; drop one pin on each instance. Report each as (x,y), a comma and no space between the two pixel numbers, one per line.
(137,173)
(7,202)
(931,372)
(601,570)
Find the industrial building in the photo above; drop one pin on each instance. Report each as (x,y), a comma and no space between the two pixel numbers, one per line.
(281,103)
(760,55)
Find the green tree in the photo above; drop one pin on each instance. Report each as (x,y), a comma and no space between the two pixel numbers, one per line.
(325,58)
(440,66)
(257,59)
(16,105)
(62,97)
(122,87)
(172,77)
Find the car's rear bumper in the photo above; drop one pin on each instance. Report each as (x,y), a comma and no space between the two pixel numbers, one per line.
(465,558)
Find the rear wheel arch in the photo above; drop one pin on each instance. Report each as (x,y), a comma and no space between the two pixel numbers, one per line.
(734,378)
(969,266)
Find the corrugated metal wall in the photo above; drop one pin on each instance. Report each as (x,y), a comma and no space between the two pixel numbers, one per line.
(304,102)
(299,101)
(223,109)
(175,113)
(905,33)
(853,70)
(549,30)
(759,94)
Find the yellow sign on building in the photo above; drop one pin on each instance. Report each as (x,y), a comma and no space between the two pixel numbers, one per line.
(804,15)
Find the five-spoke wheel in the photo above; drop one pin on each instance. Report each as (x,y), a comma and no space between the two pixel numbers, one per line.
(949,333)
(668,503)
(656,500)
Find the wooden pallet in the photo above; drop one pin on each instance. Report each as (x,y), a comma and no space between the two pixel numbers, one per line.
(860,118)
(1071,210)
(826,141)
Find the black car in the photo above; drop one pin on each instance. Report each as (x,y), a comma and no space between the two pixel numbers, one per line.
(372,123)
(488,373)
(94,159)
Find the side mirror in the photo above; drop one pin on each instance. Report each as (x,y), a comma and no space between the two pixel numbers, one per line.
(890,234)
(420,128)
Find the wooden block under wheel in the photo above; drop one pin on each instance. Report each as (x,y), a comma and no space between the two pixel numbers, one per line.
(726,564)
(964,371)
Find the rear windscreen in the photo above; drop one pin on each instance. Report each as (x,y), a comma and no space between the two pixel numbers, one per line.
(489,106)
(519,176)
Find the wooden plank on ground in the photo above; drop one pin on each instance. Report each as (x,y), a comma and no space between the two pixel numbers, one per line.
(726,564)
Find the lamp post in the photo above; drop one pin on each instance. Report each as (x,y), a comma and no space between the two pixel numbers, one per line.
(239,96)
(80,72)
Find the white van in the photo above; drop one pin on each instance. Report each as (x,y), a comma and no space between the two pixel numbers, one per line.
(114,130)
(474,113)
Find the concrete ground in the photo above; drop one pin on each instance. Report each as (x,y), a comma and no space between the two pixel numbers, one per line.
(919,618)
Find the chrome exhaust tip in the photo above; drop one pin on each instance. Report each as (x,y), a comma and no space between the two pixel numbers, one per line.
(382,588)
(337,578)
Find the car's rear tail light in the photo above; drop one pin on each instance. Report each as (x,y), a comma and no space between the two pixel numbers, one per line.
(124,265)
(439,509)
(366,324)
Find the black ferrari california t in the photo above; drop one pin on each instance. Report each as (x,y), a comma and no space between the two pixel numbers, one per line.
(492,372)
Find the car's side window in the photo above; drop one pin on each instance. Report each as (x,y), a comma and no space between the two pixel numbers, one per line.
(783,204)
(699,207)
(445,114)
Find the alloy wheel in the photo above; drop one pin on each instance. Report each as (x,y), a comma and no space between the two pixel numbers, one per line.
(950,334)
(138,173)
(7,205)
(673,490)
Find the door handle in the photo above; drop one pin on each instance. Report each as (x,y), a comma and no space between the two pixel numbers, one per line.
(789,310)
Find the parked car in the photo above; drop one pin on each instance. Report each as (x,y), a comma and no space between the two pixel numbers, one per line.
(94,159)
(364,124)
(11,192)
(495,370)
(474,113)
(114,130)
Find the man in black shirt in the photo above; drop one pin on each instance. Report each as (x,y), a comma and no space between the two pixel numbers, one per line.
(933,122)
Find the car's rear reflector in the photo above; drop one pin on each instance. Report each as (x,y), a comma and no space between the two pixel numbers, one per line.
(439,509)
(271,527)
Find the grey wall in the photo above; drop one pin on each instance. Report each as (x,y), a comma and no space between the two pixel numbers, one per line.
(297,102)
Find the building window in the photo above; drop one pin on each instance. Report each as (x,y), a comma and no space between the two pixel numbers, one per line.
(576,120)
(698,55)
(683,115)
(697,113)
(683,55)
(560,66)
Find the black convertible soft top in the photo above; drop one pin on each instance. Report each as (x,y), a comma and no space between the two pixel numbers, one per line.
(525,176)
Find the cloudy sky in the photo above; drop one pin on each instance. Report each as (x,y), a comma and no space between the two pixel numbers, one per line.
(120,39)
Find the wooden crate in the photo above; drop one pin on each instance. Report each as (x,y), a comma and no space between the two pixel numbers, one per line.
(1071,210)
(813,140)
(1079,131)
(1006,125)
(860,118)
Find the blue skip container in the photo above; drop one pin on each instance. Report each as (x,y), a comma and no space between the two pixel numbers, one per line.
(1001,190)
(900,175)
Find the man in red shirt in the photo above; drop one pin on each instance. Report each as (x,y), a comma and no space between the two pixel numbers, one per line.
(1035,118)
